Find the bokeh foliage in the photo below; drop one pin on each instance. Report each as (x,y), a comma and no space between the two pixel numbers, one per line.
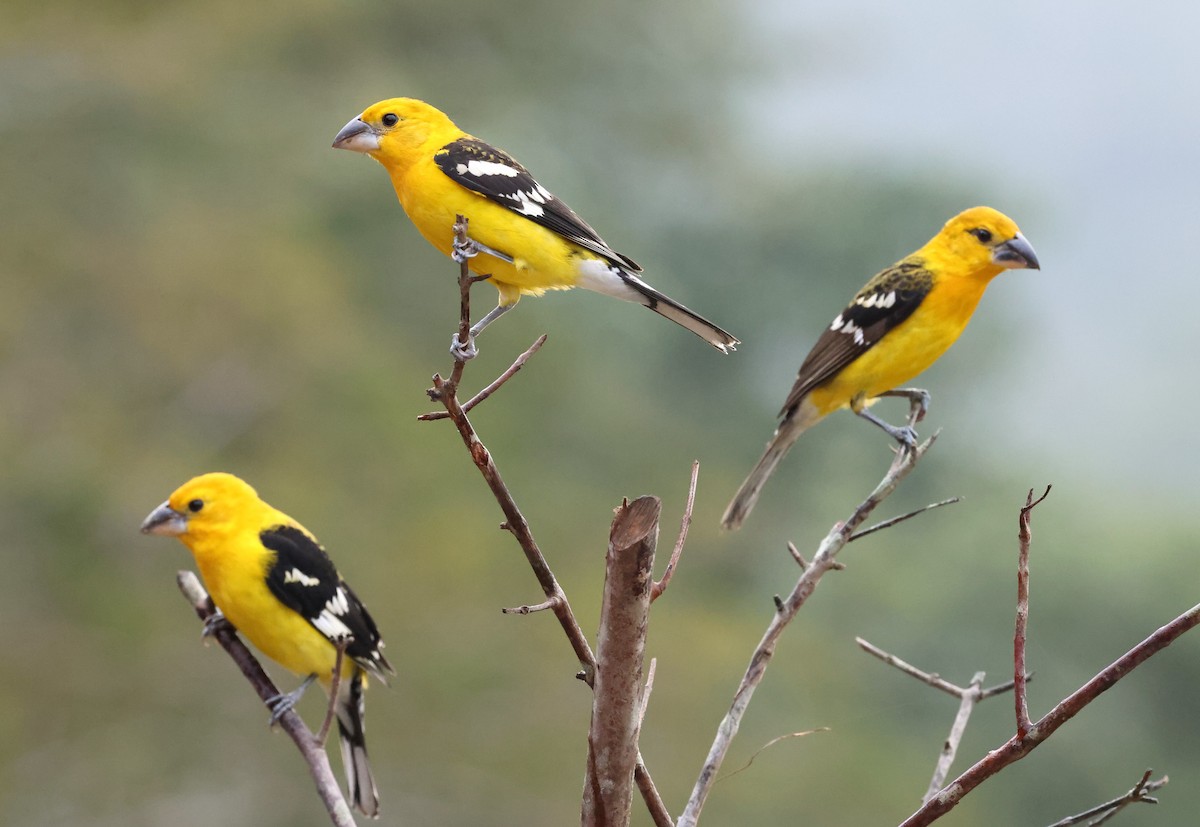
(194,281)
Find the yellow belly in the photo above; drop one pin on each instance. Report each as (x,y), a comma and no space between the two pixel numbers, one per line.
(275,630)
(907,350)
(542,260)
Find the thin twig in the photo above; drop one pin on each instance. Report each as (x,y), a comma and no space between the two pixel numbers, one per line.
(1001,688)
(661,584)
(528,610)
(494,386)
(335,683)
(1108,809)
(902,518)
(291,723)
(903,463)
(1024,535)
(967,701)
(768,745)
(934,680)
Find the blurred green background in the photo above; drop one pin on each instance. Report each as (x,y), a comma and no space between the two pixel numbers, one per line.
(194,281)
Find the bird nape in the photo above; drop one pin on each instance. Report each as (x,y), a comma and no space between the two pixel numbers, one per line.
(522,237)
(275,584)
(895,327)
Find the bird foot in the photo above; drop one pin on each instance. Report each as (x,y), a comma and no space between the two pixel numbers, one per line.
(461,352)
(216,622)
(282,703)
(464,249)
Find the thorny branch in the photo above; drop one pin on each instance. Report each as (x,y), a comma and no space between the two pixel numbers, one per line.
(786,609)
(311,749)
(445,391)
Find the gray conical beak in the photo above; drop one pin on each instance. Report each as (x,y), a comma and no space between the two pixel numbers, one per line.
(1016,254)
(166,521)
(357,136)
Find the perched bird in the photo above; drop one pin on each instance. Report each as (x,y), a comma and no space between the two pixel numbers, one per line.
(527,241)
(897,326)
(274,582)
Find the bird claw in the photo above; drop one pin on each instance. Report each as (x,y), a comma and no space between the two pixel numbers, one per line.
(463,250)
(461,352)
(284,702)
(214,623)
(906,436)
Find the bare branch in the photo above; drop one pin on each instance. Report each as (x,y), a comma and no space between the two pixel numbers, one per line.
(1139,793)
(894,520)
(445,391)
(620,650)
(660,585)
(1017,747)
(930,678)
(311,750)
(528,610)
(903,463)
(1025,534)
(494,386)
(335,683)
(968,699)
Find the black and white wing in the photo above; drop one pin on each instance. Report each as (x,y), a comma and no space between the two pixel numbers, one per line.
(887,300)
(305,580)
(497,176)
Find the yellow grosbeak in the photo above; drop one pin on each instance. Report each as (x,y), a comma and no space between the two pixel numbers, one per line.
(897,326)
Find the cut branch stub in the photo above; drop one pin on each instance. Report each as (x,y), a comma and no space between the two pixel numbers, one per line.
(620,652)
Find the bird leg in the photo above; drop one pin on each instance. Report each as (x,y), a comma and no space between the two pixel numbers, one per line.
(906,435)
(281,703)
(465,352)
(469,248)
(919,398)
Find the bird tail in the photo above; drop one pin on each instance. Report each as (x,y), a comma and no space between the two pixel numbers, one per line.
(789,430)
(351,708)
(618,282)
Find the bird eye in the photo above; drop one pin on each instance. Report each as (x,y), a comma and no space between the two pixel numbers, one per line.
(983,235)
(390,119)
(195,505)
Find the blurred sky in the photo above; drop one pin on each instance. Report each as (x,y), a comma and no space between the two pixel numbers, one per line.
(1079,119)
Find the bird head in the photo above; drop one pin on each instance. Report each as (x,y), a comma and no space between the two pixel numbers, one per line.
(987,240)
(393,129)
(199,505)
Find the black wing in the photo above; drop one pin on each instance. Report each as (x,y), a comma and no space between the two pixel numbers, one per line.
(305,580)
(497,176)
(887,300)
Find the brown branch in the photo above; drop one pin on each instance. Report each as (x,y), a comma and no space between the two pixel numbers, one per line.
(445,391)
(311,750)
(528,610)
(494,386)
(620,651)
(931,678)
(335,683)
(891,522)
(1020,745)
(661,584)
(903,463)
(1024,535)
(1108,809)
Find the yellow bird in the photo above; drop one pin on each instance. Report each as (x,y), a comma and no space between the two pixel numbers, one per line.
(274,582)
(526,240)
(898,325)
